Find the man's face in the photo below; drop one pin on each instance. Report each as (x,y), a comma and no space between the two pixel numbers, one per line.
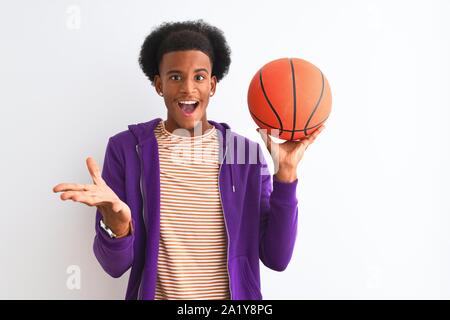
(186,83)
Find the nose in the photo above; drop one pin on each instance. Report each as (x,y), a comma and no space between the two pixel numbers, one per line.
(188,86)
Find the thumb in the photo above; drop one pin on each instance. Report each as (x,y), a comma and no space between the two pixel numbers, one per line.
(94,171)
(266,138)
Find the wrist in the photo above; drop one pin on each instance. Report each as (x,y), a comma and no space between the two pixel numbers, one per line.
(126,232)
(118,230)
(286,174)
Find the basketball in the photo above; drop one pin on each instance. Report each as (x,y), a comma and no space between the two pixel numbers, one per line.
(290,95)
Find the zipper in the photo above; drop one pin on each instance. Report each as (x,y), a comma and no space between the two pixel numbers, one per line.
(226,228)
(145,222)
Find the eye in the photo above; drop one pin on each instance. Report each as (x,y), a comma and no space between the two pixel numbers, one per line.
(199,77)
(176,76)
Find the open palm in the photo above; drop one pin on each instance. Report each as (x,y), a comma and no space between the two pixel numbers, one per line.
(115,212)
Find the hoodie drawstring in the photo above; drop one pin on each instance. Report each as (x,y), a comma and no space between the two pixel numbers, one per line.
(232,180)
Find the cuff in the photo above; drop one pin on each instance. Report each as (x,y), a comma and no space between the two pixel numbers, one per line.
(117,243)
(285,191)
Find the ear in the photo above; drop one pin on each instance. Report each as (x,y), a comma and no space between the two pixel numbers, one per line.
(157,83)
(213,84)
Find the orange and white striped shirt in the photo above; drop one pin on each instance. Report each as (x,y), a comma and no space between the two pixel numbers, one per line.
(192,259)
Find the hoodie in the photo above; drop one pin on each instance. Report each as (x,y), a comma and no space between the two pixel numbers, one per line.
(260,213)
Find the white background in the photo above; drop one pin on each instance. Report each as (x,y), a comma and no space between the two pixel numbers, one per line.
(373,188)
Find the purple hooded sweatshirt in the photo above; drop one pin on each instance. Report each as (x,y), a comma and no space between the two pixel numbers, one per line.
(260,218)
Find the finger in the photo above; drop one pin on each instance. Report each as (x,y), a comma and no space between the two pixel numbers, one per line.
(266,138)
(71,187)
(310,139)
(78,196)
(68,195)
(318,131)
(94,171)
(303,144)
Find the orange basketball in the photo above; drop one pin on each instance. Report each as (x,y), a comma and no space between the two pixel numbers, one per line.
(291,95)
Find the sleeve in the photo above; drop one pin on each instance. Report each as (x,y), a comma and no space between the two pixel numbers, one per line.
(114,255)
(279,216)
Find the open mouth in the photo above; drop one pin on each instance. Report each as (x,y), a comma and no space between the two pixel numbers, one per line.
(188,107)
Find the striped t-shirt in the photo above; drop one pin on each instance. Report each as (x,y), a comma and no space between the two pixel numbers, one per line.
(192,259)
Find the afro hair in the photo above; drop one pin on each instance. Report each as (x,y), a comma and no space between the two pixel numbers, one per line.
(186,35)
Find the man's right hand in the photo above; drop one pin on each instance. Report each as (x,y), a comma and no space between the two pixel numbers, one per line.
(116,213)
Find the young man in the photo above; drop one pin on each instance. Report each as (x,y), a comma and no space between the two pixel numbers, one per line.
(186,203)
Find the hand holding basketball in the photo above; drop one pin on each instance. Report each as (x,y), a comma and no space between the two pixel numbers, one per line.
(286,156)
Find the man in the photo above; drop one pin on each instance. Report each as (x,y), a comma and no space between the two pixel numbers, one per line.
(175,202)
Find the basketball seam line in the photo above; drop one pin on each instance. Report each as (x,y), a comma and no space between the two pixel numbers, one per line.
(294,95)
(268,100)
(272,127)
(318,102)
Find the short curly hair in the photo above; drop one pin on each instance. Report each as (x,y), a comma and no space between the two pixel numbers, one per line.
(186,35)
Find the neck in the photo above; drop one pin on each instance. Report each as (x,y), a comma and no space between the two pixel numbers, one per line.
(199,129)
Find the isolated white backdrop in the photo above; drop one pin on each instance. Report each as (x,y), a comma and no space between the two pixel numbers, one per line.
(373,188)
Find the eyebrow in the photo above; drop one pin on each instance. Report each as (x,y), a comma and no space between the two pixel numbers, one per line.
(178,71)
